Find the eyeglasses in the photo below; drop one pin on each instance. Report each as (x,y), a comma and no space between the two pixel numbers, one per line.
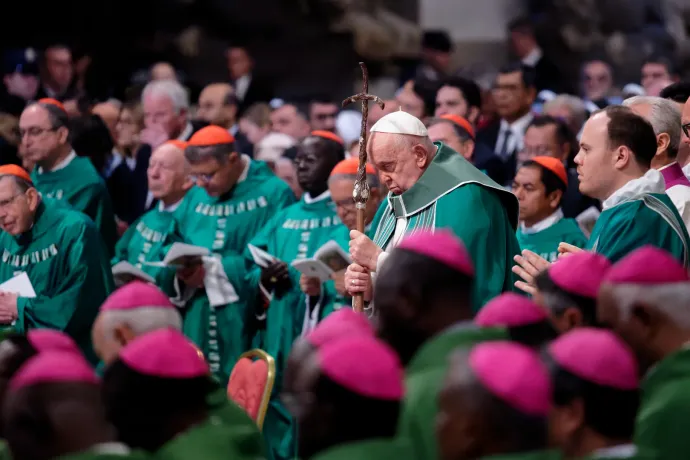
(205,178)
(5,203)
(346,204)
(686,129)
(34,131)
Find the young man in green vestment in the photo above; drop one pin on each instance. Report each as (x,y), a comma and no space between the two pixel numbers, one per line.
(337,384)
(596,395)
(539,186)
(495,404)
(59,392)
(340,185)
(61,253)
(645,300)
(59,173)
(296,232)
(616,151)
(145,240)
(424,310)
(431,187)
(234,199)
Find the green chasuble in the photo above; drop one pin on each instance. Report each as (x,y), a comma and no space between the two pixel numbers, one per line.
(454,194)
(536,455)
(225,224)
(247,438)
(207,441)
(664,411)
(371,449)
(79,184)
(640,213)
(107,455)
(296,232)
(145,241)
(424,377)
(545,242)
(68,266)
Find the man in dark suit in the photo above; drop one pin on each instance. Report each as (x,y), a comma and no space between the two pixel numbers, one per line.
(218,106)
(249,89)
(514,93)
(524,44)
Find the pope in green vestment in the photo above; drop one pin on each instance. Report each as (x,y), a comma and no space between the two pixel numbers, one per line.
(78,183)
(453,194)
(67,263)
(225,224)
(665,408)
(545,241)
(638,214)
(423,380)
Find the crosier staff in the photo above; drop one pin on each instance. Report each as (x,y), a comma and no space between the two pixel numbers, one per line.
(360,193)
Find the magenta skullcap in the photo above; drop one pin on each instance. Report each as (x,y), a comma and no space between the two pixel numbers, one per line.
(510,310)
(164,353)
(136,294)
(513,373)
(580,274)
(363,365)
(598,356)
(342,323)
(647,265)
(49,339)
(442,246)
(54,366)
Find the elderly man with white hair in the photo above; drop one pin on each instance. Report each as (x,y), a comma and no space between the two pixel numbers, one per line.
(432,186)
(664,117)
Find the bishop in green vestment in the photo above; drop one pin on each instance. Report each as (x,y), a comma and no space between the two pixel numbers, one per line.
(650,283)
(295,233)
(59,252)
(431,187)
(539,186)
(145,240)
(236,196)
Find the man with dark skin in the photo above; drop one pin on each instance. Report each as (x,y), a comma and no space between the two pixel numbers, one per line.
(424,310)
(293,233)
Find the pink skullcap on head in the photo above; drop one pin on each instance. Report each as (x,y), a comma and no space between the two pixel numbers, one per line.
(510,310)
(363,365)
(54,367)
(513,373)
(581,273)
(51,340)
(136,294)
(647,265)
(342,323)
(164,353)
(442,246)
(598,356)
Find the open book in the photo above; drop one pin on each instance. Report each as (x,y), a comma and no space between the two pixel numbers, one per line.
(261,257)
(329,259)
(587,219)
(182,255)
(20,285)
(124,272)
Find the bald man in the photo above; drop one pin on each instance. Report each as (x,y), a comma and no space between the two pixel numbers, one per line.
(163,71)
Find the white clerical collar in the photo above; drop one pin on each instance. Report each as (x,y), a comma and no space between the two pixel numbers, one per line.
(533,57)
(112,448)
(247,161)
(163,208)
(308,199)
(186,132)
(619,451)
(233,129)
(519,126)
(686,170)
(63,164)
(651,182)
(542,224)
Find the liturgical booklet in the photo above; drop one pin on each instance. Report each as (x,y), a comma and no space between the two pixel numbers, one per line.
(20,285)
(181,255)
(123,272)
(261,257)
(329,259)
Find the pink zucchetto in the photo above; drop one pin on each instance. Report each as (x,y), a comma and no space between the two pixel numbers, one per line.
(510,310)
(54,367)
(647,265)
(136,294)
(597,356)
(580,274)
(365,366)
(165,353)
(342,323)
(442,246)
(51,340)
(514,374)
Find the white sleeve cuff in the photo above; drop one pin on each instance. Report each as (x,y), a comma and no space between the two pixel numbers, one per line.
(381,260)
(267,295)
